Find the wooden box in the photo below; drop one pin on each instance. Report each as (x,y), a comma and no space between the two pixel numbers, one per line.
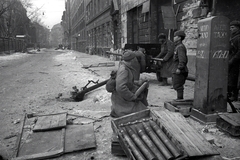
(182,135)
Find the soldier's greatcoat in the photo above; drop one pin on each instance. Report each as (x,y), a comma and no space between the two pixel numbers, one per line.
(123,98)
(167,51)
(180,60)
(234,60)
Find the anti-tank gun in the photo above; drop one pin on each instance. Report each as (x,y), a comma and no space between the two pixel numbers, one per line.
(151,51)
(153,65)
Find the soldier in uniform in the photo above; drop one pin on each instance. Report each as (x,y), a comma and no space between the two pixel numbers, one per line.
(123,98)
(140,55)
(180,60)
(234,61)
(124,101)
(167,48)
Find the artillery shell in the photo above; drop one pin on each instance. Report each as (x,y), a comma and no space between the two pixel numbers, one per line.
(132,146)
(151,145)
(143,148)
(176,153)
(167,154)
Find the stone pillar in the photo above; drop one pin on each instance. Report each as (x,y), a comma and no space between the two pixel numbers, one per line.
(210,94)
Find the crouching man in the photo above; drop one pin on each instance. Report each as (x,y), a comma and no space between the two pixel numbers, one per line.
(124,100)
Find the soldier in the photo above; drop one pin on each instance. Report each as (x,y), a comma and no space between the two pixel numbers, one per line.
(124,101)
(140,55)
(167,48)
(180,59)
(234,59)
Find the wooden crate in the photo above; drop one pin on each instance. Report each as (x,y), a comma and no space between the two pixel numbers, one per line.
(189,142)
(229,122)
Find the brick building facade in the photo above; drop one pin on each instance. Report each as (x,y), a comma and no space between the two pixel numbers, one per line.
(99,25)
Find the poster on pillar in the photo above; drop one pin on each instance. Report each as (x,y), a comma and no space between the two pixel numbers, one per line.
(210,95)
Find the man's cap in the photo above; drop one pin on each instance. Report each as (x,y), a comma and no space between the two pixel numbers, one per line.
(127,56)
(235,23)
(180,33)
(162,36)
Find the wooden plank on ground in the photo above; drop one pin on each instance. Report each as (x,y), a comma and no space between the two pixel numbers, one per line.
(79,137)
(182,133)
(42,145)
(232,118)
(229,122)
(49,122)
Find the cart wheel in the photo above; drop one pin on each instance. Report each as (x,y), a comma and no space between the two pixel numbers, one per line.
(158,74)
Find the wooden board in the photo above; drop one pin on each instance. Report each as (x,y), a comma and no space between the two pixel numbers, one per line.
(184,135)
(49,122)
(42,145)
(229,122)
(79,137)
(184,108)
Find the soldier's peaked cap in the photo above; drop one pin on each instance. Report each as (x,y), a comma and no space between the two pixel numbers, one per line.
(235,23)
(180,33)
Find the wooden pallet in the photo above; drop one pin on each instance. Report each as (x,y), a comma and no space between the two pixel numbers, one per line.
(229,122)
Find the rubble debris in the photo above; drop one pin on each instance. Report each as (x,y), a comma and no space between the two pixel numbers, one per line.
(104,64)
(59,95)
(51,143)
(11,136)
(58,65)
(50,122)
(16,121)
(43,72)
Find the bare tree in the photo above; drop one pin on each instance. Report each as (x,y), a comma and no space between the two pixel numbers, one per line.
(5,5)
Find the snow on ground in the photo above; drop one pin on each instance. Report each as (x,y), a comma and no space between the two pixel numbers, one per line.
(80,76)
(17,55)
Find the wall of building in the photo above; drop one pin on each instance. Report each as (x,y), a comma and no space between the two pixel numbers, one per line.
(189,12)
(141,25)
(126,18)
(99,34)
(78,26)
(105,29)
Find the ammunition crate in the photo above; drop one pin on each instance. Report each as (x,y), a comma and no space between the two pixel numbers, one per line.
(179,138)
(134,119)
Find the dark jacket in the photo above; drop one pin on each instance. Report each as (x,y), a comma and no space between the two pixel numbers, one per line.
(180,58)
(234,60)
(142,60)
(234,54)
(167,51)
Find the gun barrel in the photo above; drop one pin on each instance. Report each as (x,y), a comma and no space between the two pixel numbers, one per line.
(80,95)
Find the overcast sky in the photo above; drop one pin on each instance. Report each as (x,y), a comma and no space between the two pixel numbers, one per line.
(51,11)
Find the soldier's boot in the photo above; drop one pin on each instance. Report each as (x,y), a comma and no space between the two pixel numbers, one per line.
(179,94)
